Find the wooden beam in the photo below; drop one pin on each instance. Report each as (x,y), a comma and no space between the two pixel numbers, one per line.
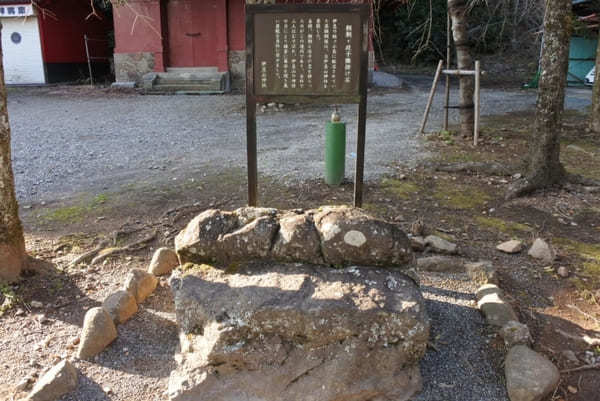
(431,94)
(476,101)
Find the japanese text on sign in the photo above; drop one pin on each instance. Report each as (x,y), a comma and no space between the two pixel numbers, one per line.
(304,54)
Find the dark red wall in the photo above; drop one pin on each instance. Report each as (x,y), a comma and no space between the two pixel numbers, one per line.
(62,31)
(237,25)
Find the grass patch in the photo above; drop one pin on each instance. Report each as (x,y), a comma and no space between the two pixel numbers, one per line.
(401,188)
(590,253)
(504,226)
(455,196)
(69,214)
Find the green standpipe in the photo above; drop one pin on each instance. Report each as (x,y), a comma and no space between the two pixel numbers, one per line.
(335,151)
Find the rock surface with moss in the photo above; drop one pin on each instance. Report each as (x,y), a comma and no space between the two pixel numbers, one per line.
(297,332)
(336,235)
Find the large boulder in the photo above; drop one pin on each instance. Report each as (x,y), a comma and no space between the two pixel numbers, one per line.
(297,240)
(297,333)
(334,235)
(349,236)
(199,241)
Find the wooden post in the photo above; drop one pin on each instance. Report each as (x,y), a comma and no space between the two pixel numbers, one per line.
(431,94)
(448,57)
(362,115)
(477,110)
(87,53)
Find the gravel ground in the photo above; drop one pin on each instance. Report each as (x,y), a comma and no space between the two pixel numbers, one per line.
(462,367)
(65,141)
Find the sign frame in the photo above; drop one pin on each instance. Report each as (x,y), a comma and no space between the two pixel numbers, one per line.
(252,10)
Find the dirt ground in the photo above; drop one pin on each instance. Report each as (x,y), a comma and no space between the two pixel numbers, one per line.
(43,313)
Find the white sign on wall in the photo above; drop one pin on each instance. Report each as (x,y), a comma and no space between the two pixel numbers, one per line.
(16,10)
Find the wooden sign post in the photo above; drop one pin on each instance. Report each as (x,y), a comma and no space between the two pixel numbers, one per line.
(313,53)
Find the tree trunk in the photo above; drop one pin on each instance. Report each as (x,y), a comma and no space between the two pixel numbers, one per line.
(544,167)
(458,13)
(595,119)
(12,243)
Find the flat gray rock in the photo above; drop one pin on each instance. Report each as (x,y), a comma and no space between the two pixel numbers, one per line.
(441,264)
(58,381)
(297,333)
(440,245)
(530,376)
(512,246)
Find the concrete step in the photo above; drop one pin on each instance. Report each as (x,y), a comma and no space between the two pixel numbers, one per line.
(192,80)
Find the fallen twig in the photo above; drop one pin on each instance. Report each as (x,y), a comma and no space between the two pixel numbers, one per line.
(88,255)
(135,246)
(580,368)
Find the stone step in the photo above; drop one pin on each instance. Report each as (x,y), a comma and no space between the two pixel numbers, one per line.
(187,81)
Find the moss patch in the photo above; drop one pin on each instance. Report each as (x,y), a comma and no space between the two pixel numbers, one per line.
(456,196)
(590,253)
(503,226)
(69,214)
(192,268)
(401,188)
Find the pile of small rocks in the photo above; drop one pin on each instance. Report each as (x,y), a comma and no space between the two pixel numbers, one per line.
(99,325)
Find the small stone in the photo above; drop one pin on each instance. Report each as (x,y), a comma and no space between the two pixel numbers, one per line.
(542,251)
(36,304)
(121,306)
(20,312)
(563,272)
(488,289)
(140,284)
(482,272)
(530,376)
(440,245)
(572,389)
(441,264)
(417,243)
(163,262)
(512,246)
(98,331)
(59,380)
(491,302)
(515,333)
(570,356)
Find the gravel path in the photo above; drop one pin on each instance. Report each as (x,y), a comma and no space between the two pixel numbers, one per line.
(65,141)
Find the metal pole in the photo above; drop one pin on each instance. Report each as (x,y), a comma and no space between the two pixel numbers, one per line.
(89,61)
(430,100)
(477,88)
(251,115)
(448,58)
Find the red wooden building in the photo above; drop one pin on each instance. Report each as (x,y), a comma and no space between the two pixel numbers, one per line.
(180,44)
(44,42)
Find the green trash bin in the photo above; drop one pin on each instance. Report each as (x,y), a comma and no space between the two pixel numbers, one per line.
(335,152)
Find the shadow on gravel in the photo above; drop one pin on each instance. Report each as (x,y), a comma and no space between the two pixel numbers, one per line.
(145,346)
(87,390)
(59,295)
(463,366)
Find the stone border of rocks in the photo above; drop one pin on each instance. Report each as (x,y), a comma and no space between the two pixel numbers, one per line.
(99,324)
(530,376)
